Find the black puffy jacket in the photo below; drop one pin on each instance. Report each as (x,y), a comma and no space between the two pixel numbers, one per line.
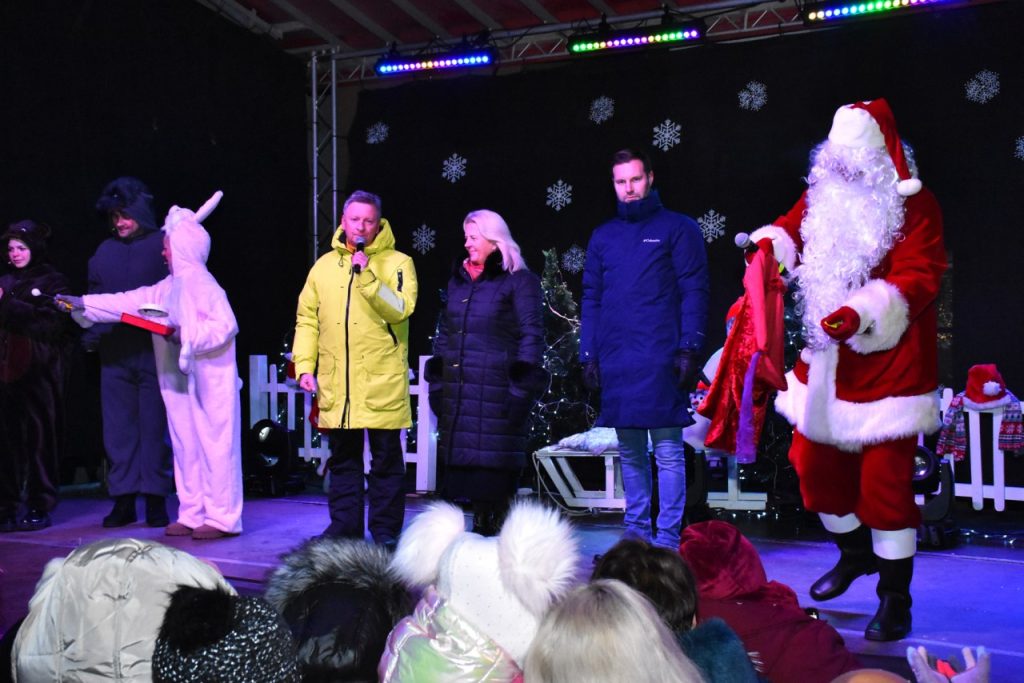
(488,365)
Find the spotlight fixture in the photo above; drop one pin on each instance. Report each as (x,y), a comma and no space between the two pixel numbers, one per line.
(818,12)
(392,64)
(647,37)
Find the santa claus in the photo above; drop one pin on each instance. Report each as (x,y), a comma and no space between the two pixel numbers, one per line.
(864,245)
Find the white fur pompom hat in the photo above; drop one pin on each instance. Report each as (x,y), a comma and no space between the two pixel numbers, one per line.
(504,585)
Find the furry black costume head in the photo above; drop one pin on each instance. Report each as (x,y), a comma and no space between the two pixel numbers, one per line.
(131,197)
(32,234)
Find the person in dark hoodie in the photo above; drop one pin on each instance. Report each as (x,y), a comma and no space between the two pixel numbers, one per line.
(34,346)
(134,419)
(662,576)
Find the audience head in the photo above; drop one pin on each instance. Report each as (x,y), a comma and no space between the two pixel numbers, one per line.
(659,574)
(98,610)
(606,632)
(340,599)
(501,585)
(213,636)
(493,228)
(727,566)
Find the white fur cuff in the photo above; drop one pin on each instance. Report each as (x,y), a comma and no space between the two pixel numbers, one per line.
(782,244)
(884,316)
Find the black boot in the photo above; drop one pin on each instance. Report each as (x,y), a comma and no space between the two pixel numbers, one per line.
(856,559)
(156,511)
(123,512)
(892,620)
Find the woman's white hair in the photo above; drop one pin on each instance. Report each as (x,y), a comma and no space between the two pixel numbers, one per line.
(494,229)
(606,632)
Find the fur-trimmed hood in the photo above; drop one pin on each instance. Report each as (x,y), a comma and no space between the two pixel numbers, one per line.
(340,598)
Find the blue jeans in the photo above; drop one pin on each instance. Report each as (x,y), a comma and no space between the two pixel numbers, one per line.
(636,480)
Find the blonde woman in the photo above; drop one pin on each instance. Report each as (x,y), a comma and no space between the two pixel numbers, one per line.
(487,370)
(605,632)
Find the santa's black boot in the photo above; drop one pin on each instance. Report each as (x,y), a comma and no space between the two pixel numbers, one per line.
(856,558)
(892,620)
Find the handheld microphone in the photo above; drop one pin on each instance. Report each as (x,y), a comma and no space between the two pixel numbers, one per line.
(742,240)
(360,246)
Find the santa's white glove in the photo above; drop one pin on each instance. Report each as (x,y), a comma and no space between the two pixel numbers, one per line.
(783,247)
(975,670)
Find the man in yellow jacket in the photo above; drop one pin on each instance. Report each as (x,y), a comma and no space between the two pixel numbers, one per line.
(352,330)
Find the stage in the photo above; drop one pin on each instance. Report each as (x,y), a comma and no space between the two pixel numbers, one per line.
(967,596)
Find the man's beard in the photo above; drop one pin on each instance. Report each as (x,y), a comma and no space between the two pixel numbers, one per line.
(853,218)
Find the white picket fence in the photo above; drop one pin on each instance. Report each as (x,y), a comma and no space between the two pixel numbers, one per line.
(268,397)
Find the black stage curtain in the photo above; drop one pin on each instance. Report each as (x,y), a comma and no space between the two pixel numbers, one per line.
(167,91)
(521,134)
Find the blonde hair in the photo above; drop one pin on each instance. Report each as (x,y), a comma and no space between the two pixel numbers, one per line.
(606,632)
(494,229)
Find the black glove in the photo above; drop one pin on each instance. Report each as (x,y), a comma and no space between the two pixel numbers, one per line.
(591,375)
(686,369)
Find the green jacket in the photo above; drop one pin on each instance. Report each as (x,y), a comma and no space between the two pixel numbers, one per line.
(353,331)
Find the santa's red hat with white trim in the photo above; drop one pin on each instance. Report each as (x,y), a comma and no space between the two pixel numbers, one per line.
(985,388)
(872,124)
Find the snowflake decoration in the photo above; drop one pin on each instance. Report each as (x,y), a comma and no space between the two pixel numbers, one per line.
(424,238)
(712,225)
(666,135)
(559,195)
(377,133)
(754,96)
(573,259)
(602,109)
(983,87)
(1019,153)
(453,168)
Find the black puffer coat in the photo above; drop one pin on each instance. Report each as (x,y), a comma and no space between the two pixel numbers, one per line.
(488,365)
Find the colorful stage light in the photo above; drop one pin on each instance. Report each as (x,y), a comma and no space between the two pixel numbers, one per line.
(388,66)
(652,36)
(817,12)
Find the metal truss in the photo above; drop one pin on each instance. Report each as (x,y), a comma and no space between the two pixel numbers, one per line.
(323,140)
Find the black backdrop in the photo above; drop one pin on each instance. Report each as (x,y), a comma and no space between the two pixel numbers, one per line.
(520,134)
(167,91)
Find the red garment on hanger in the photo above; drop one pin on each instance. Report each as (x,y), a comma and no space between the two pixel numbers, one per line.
(752,365)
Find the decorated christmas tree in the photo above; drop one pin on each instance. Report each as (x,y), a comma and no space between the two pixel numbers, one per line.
(566,408)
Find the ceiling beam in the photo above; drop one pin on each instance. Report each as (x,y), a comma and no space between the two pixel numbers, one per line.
(602,7)
(328,37)
(424,20)
(364,21)
(246,18)
(538,11)
(478,14)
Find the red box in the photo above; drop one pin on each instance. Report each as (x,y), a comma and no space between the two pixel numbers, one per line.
(148,325)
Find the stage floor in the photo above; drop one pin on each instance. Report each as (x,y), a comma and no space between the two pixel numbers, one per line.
(970,595)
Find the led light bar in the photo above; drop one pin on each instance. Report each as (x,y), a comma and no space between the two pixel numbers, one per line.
(832,11)
(388,66)
(652,36)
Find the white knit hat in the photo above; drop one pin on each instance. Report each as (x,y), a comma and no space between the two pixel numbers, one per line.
(503,585)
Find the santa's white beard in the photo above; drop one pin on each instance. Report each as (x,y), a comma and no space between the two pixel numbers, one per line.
(854,216)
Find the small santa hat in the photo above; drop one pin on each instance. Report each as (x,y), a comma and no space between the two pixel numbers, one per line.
(872,124)
(985,388)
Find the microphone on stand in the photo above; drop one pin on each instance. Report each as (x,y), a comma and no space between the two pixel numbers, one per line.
(360,246)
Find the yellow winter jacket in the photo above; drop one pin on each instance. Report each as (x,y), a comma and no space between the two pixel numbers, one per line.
(353,331)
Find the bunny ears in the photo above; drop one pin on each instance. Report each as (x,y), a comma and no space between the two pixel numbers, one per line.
(177,214)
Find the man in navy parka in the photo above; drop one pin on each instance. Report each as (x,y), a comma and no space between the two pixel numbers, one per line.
(645,301)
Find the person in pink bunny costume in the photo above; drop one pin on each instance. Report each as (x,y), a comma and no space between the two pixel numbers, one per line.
(197,371)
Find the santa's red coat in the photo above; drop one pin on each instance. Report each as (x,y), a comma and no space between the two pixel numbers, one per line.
(881,383)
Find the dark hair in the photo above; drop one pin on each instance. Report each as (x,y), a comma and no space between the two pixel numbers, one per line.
(624,156)
(661,575)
